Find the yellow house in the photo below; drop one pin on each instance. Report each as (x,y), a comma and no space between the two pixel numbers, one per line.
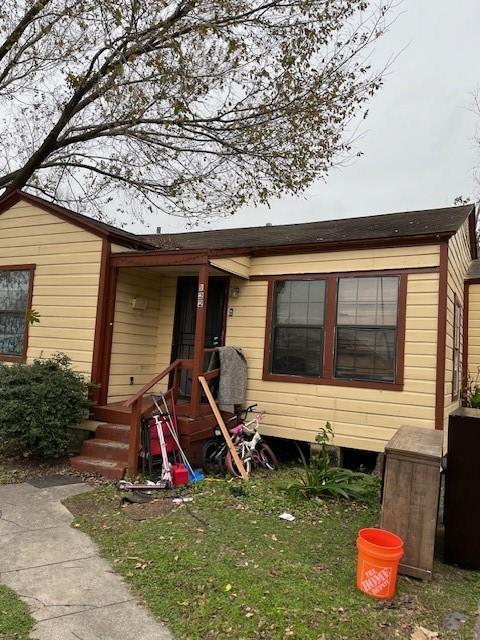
(370,323)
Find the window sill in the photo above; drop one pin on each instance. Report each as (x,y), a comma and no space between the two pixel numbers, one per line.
(5,358)
(333,382)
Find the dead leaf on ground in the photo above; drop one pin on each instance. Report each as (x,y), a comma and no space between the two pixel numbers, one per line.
(420,633)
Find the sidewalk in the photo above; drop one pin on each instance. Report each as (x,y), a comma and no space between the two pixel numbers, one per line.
(73,594)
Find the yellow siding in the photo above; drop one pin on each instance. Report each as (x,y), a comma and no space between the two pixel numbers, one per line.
(361,418)
(239,266)
(474,331)
(134,332)
(65,281)
(168,292)
(459,259)
(142,339)
(118,248)
(359,260)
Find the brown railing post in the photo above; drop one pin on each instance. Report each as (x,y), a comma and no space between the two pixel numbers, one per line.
(134,437)
(176,383)
(199,344)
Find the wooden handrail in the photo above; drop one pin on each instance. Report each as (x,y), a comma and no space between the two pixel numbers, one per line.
(210,375)
(146,387)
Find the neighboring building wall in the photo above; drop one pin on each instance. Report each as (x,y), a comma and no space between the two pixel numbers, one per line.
(66,280)
(459,260)
(474,332)
(362,418)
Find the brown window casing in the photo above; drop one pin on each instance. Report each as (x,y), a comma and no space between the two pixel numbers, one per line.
(457,347)
(329,334)
(21,267)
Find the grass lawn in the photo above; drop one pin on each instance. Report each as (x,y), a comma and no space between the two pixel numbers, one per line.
(15,621)
(226,566)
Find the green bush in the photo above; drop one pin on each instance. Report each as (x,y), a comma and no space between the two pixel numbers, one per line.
(320,479)
(38,402)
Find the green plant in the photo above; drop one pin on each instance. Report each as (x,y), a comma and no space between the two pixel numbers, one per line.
(471,391)
(321,479)
(38,404)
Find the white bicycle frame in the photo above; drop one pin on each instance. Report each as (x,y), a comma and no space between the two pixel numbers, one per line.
(247,446)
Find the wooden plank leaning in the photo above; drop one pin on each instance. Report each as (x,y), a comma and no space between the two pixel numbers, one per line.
(223,428)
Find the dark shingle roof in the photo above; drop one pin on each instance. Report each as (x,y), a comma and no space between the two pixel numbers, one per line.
(431,222)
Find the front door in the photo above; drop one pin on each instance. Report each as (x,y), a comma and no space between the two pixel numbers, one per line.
(185,320)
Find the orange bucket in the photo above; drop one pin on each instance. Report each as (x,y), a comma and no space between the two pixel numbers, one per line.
(379,553)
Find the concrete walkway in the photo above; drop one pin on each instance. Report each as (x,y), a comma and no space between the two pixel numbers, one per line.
(73,594)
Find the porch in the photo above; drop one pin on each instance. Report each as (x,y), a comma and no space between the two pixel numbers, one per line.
(162,325)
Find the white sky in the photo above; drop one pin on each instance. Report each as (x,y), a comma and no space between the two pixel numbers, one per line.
(418,140)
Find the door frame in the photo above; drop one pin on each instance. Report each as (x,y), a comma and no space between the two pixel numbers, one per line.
(176,317)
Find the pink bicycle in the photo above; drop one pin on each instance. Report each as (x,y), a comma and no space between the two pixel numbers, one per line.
(252,450)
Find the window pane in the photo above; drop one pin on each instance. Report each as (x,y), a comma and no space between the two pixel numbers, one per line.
(365,354)
(14,290)
(299,302)
(13,304)
(297,351)
(12,333)
(367,301)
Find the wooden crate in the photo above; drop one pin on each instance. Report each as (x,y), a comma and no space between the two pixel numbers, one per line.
(410,495)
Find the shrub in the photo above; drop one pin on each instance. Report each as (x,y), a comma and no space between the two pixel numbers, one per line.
(38,404)
(321,479)
(471,391)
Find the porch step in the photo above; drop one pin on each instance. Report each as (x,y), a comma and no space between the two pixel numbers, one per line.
(115,432)
(105,449)
(112,415)
(108,468)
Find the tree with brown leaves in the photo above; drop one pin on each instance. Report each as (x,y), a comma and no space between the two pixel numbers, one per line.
(191,107)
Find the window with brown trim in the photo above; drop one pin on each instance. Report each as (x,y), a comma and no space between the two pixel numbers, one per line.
(297,327)
(15,294)
(457,358)
(345,329)
(366,328)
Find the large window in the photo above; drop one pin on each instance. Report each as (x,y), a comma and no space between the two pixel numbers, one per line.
(14,301)
(346,330)
(297,327)
(366,328)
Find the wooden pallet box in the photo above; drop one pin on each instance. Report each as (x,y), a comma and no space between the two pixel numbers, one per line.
(411,494)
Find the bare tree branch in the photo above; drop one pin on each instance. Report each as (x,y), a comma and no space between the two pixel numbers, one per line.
(185,106)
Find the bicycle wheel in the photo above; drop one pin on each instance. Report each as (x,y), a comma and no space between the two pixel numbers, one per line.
(232,467)
(212,461)
(266,458)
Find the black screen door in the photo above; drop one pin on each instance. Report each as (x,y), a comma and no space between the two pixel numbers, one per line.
(185,320)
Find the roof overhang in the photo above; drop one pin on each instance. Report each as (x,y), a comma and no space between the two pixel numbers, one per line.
(173,257)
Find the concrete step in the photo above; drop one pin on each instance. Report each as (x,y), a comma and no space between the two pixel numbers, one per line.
(116,432)
(105,449)
(108,468)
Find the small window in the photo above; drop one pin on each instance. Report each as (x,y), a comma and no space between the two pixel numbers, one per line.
(366,328)
(457,359)
(297,327)
(14,300)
